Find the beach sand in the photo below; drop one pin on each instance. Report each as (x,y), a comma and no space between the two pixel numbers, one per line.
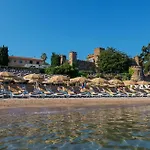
(71,102)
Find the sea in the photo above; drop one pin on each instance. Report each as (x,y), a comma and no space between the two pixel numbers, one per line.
(89,128)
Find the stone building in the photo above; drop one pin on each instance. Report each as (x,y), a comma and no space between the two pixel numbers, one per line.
(85,65)
(138,74)
(94,57)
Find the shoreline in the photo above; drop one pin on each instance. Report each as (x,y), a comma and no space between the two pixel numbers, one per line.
(71,102)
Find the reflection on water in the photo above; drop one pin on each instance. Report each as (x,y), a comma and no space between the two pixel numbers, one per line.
(110,128)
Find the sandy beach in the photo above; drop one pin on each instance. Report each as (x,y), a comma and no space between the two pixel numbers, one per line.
(71,102)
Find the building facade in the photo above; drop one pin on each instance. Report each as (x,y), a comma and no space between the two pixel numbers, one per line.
(16,61)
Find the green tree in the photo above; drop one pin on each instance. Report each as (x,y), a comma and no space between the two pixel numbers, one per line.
(55,60)
(44,57)
(4,56)
(64,69)
(145,58)
(113,61)
(131,71)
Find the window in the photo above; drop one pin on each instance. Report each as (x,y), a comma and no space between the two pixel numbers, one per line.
(14,61)
(37,62)
(20,61)
(31,62)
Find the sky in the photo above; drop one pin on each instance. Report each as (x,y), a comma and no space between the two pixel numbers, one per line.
(32,27)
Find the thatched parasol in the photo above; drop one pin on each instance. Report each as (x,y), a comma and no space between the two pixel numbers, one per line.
(1,80)
(129,82)
(7,76)
(79,80)
(19,79)
(33,81)
(58,79)
(35,77)
(143,83)
(116,82)
(99,81)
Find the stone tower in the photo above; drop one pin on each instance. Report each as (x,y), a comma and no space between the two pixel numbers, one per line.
(138,73)
(137,60)
(62,59)
(97,52)
(72,57)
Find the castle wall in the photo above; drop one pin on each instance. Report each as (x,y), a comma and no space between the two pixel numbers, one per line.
(85,65)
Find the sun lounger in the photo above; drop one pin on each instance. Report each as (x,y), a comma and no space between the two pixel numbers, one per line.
(59,95)
(34,95)
(72,95)
(94,95)
(25,94)
(7,94)
(81,95)
(1,95)
(17,95)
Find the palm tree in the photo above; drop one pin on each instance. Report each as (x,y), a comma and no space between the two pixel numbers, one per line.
(44,57)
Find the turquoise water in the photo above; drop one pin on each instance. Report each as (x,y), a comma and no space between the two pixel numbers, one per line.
(82,129)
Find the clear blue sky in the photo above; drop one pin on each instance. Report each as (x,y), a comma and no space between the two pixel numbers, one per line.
(30,27)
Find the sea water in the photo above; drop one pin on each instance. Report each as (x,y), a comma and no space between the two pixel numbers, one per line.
(81,129)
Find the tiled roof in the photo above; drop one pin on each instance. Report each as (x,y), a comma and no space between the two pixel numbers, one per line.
(25,58)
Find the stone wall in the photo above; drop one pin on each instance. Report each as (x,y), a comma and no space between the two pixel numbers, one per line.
(138,74)
(85,65)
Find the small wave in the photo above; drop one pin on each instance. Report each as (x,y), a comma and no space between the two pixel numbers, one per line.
(45,112)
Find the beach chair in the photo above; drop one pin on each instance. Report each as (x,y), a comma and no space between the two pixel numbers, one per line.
(72,95)
(48,94)
(25,94)
(17,95)
(7,94)
(94,95)
(1,94)
(37,94)
(34,95)
(59,95)
(84,94)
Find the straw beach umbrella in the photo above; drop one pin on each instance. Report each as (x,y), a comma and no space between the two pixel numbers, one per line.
(143,83)
(7,76)
(116,82)
(1,79)
(33,77)
(129,82)
(19,80)
(58,79)
(79,80)
(99,81)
